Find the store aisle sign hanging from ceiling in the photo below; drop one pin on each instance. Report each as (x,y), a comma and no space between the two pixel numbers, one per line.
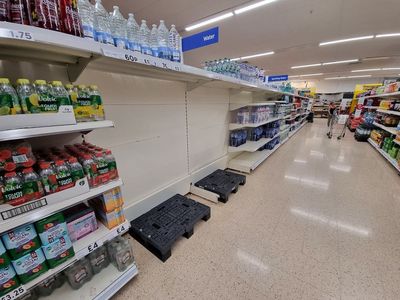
(200,39)
(278,78)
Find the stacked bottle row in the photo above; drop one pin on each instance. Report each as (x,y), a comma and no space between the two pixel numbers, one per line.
(243,71)
(240,137)
(26,175)
(254,115)
(44,97)
(82,18)
(112,28)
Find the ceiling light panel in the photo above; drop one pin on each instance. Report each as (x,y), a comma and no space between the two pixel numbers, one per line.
(306,66)
(340,62)
(253,6)
(367,37)
(258,55)
(366,70)
(384,35)
(389,69)
(209,21)
(359,76)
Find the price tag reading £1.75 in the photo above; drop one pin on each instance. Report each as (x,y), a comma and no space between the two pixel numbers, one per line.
(17,34)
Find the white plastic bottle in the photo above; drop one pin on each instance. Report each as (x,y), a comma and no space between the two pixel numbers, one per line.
(101,24)
(144,34)
(133,34)
(154,41)
(118,29)
(163,36)
(174,43)
(86,13)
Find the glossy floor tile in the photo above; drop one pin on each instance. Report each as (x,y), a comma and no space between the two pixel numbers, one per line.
(318,220)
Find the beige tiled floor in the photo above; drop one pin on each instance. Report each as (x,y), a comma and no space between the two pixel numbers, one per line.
(320,219)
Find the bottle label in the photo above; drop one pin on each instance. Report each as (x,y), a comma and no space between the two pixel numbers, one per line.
(13,192)
(77,174)
(97,106)
(18,14)
(120,43)
(50,183)
(176,56)
(81,275)
(164,52)
(83,109)
(48,103)
(64,180)
(31,190)
(101,37)
(88,31)
(134,46)
(155,52)
(30,104)
(63,101)
(126,257)
(6,105)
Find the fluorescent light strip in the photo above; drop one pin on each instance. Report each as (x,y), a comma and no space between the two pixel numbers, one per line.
(387,35)
(359,76)
(366,70)
(340,62)
(253,56)
(334,78)
(306,66)
(389,69)
(252,6)
(209,21)
(347,77)
(309,75)
(367,37)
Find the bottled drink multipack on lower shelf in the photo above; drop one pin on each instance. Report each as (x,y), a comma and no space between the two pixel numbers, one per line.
(48,97)
(27,175)
(29,251)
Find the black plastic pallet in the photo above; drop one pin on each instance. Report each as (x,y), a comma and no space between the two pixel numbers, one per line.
(159,228)
(222,183)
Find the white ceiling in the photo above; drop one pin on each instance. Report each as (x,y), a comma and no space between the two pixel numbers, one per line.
(291,28)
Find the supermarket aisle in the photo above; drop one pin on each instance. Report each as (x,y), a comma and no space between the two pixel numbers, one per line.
(318,220)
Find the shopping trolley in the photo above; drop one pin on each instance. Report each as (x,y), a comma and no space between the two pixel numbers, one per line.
(338,125)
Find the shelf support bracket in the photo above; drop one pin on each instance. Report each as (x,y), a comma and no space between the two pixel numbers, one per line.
(75,70)
(190,86)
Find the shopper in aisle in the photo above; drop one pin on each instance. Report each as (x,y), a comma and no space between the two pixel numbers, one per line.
(331,110)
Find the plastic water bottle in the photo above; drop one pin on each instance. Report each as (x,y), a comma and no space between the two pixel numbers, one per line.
(86,13)
(144,34)
(154,41)
(101,24)
(118,29)
(163,36)
(174,43)
(133,34)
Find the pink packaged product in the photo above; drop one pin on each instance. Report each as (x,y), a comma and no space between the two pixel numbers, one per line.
(81,221)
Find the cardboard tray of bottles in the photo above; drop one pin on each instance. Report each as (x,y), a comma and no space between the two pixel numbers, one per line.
(64,116)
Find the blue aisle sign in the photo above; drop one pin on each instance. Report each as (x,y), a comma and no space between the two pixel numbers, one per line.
(278,78)
(200,39)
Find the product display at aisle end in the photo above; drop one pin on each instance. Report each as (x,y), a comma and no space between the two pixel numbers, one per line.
(61,207)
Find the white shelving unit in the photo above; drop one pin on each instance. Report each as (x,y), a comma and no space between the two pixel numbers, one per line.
(235,126)
(247,162)
(390,112)
(391,130)
(15,134)
(392,161)
(390,95)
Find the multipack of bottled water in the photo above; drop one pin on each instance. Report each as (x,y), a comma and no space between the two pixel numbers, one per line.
(113,28)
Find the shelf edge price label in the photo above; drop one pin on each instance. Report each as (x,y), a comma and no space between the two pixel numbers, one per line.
(17,34)
(121,229)
(131,58)
(93,246)
(14,294)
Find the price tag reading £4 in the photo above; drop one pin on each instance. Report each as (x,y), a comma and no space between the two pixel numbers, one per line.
(94,246)
(14,294)
(17,34)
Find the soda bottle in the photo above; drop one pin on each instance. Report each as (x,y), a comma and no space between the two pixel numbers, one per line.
(60,93)
(101,24)
(102,167)
(112,165)
(5,10)
(48,14)
(48,177)
(28,97)
(118,29)
(133,34)
(97,103)
(20,12)
(70,20)
(31,186)
(76,169)
(86,15)
(63,175)
(12,191)
(9,103)
(90,169)
(47,102)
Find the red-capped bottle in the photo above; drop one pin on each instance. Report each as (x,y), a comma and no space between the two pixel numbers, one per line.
(5,10)
(69,17)
(20,12)
(48,14)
